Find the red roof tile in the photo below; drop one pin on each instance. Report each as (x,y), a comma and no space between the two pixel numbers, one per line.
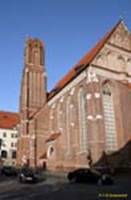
(8,120)
(82,64)
(53,137)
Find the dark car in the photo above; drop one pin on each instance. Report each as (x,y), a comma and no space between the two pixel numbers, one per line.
(85,175)
(9,171)
(28,175)
(105,169)
(105,180)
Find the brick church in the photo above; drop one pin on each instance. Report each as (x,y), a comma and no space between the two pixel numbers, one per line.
(85,114)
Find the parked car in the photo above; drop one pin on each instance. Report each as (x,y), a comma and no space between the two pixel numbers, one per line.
(103,169)
(105,179)
(28,175)
(85,175)
(9,171)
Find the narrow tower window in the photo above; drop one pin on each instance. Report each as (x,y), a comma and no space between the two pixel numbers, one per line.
(36,57)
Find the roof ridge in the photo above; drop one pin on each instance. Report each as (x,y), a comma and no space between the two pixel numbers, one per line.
(80,66)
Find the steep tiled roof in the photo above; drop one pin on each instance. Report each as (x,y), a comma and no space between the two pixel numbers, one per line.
(8,120)
(82,64)
(53,137)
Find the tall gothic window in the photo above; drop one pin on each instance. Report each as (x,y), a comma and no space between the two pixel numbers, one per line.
(68,129)
(109,117)
(59,117)
(82,120)
(51,121)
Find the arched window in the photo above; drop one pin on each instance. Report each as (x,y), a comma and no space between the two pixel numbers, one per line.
(109,118)
(50,151)
(82,120)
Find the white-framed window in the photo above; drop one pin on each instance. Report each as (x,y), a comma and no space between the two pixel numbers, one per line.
(12,144)
(4,154)
(109,118)
(82,108)
(4,134)
(3,144)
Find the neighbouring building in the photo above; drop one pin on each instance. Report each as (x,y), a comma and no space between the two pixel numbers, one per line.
(85,114)
(9,122)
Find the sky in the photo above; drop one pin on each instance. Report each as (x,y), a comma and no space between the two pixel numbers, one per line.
(68,28)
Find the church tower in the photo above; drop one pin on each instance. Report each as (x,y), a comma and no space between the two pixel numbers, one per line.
(33,96)
(34,81)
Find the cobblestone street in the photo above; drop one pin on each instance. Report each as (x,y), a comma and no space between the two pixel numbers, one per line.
(57,189)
